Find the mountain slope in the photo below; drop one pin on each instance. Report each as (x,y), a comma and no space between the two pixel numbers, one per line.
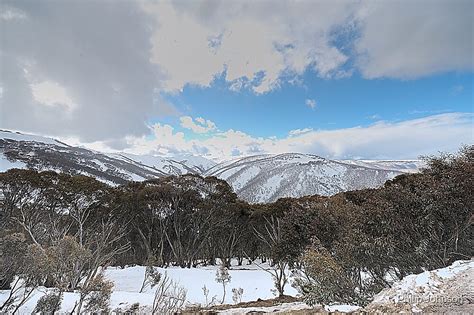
(261,178)
(26,151)
(266,178)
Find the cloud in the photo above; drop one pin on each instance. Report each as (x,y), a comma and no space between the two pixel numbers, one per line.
(297,132)
(406,40)
(198,125)
(262,45)
(52,94)
(310,103)
(78,69)
(95,70)
(382,140)
(256,44)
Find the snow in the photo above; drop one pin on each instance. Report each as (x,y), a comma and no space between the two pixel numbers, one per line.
(265,178)
(195,161)
(5,164)
(244,177)
(4,134)
(427,288)
(407,166)
(256,283)
(182,163)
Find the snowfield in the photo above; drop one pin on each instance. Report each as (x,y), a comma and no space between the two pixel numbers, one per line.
(128,281)
(441,290)
(446,289)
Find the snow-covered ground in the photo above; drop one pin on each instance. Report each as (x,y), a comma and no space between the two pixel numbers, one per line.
(449,288)
(255,282)
(437,290)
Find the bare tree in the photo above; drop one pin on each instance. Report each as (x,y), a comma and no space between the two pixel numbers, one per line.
(272,237)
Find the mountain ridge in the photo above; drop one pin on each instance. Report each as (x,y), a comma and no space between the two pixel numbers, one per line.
(258,178)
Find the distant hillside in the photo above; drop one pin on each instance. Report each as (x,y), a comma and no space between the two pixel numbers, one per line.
(266,178)
(261,178)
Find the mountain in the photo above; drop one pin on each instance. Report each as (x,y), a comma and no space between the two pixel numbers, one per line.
(265,178)
(406,166)
(179,164)
(261,178)
(19,150)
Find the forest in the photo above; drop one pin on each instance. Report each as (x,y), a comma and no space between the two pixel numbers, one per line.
(61,231)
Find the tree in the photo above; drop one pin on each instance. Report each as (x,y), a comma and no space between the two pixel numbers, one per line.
(271,237)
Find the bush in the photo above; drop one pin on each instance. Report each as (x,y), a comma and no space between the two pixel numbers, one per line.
(170,297)
(98,295)
(49,303)
(322,280)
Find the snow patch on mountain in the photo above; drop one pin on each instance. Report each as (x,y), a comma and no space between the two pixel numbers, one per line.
(265,178)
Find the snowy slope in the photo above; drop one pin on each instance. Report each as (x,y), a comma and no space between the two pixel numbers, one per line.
(19,150)
(266,178)
(259,178)
(406,166)
(40,153)
(176,165)
(438,291)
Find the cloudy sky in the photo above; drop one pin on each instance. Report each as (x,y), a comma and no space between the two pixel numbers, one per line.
(223,79)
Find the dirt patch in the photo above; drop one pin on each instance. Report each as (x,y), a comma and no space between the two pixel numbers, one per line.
(257,303)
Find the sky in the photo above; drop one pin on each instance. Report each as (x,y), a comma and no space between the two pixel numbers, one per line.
(226,79)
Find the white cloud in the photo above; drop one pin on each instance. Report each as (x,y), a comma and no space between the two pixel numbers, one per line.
(52,94)
(260,45)
(78,69)
(410,39)
(256,43)
(383,140)
(11,14)
(198,125)
(297,132)
(310,103)
(110,62)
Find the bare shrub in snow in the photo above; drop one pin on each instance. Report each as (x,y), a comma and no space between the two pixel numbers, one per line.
(210,302)
(170,297)
(223,277)
(237,295)
(152,276)
(97,294)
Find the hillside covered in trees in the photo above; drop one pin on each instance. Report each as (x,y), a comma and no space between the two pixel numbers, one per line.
(58,230)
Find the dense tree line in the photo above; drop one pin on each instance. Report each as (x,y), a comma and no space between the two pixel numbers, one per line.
(347,244)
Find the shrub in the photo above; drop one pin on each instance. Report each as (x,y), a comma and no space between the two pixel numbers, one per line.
(49,303)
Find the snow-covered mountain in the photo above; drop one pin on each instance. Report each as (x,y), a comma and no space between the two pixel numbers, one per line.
(406,166)
(19,150)
(261,178)
(266,178)
(180,164)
